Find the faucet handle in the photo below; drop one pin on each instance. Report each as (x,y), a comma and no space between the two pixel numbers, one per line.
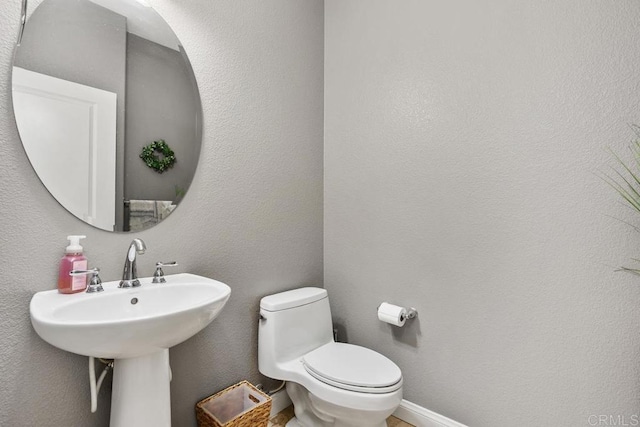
(95,283)
(158,276)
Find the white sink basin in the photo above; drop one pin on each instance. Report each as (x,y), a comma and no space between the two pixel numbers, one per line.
(125,323)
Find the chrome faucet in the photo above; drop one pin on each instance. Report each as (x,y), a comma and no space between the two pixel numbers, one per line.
(129,273)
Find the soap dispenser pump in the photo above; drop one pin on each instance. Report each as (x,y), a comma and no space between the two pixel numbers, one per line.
(73,260)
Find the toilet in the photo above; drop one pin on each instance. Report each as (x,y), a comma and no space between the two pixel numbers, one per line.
(330,383)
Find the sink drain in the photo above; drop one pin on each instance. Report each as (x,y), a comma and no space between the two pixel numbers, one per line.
(134,300)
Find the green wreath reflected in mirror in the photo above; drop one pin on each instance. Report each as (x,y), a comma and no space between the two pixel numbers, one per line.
(158,156)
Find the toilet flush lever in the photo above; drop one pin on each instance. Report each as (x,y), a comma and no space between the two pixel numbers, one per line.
(158,276)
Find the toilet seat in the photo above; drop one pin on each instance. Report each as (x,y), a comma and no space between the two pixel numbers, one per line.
(354,368)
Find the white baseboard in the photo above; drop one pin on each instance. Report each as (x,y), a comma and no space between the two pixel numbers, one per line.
(422,417)
(279,401)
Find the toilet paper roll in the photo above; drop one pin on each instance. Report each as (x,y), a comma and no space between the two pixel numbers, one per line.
(392,314)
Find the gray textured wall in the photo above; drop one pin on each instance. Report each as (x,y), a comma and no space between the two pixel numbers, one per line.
(98,59)
(162,103)
(252,218)
(462,141)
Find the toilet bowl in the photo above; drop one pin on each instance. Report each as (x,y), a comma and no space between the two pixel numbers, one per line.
(330,383)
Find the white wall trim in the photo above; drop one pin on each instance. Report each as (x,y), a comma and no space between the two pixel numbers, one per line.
(422,417)
(279,401)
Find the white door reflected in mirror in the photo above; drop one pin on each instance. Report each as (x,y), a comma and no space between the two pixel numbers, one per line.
(78,162)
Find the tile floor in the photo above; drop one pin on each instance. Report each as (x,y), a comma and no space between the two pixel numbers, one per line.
(281,419)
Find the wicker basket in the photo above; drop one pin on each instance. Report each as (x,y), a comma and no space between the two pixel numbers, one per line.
(241,405)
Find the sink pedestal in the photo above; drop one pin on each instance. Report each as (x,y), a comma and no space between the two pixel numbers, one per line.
(140,393)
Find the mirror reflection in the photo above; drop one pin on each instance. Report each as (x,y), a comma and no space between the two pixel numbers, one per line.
(108,110)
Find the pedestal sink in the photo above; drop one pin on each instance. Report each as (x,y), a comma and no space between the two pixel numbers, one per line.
(136,327)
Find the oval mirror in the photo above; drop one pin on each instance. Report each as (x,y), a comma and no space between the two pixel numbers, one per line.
(108,110)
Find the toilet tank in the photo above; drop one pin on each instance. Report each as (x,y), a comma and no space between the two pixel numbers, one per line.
(292,323)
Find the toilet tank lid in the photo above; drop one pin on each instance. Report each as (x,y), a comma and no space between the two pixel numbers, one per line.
(292,298)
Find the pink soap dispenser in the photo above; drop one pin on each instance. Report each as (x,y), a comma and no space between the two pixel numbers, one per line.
(73,260)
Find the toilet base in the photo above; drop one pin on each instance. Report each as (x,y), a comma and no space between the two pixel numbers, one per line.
(293,422)
(314,412)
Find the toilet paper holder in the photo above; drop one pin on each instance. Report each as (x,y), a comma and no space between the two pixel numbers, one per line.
(411,312)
